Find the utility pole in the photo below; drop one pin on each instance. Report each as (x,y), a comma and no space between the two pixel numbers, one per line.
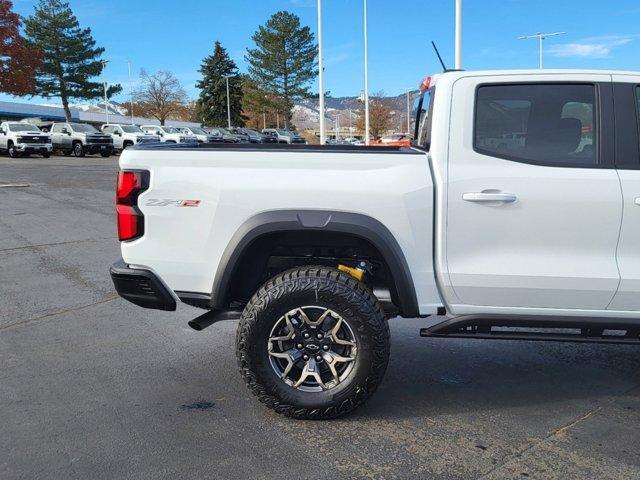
(541,37)
(264,120)
(458,35)
(366,79)
(323,138)
(226,77)
(130,91)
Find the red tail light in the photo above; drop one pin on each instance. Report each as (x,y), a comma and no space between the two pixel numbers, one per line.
(130,219)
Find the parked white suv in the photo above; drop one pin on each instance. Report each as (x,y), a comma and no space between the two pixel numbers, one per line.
(127,135)
(169,134)
(537,241)
(21,138)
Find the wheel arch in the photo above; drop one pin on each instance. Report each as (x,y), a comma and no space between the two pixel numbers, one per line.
(353,224)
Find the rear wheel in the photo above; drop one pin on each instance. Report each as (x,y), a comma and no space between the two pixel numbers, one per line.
(313,343)
(105,154)
(46,155)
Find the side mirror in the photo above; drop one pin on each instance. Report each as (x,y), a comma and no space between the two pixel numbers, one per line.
(118,133)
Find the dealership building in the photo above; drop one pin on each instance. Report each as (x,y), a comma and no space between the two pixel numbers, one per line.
(51,113)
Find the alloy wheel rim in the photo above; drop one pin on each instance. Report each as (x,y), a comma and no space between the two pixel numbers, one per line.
(312,348)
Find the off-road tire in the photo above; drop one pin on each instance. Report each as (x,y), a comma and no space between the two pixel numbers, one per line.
(328,288)
(46,155)
(105,155)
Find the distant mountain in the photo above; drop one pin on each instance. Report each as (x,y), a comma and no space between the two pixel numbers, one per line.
(306,115)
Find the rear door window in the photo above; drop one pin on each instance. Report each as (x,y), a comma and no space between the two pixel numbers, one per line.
(547,124)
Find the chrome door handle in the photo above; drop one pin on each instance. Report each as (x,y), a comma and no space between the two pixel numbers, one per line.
(489,196)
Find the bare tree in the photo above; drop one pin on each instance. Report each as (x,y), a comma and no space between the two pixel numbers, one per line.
(160,95)
(380,116)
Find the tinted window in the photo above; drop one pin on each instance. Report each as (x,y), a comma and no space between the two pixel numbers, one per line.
(543,123)
(83,128)
(23,127)
(422,112)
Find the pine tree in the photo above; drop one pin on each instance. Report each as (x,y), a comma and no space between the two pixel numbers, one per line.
(284,60)
(70,56)
(212,103)
(257,104)
(17,61)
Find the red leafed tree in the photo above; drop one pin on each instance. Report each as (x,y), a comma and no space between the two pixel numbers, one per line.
(18,61)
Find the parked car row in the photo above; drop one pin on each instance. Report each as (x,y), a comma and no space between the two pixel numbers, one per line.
(80,139)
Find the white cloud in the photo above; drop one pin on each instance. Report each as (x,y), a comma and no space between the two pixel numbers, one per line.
(595,47)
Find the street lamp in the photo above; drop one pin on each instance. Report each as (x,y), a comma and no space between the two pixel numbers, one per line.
(366,79)
(104,84)
(226,77)
(458,35)
(130,91)
(541,37)
(408,111)
(323,138)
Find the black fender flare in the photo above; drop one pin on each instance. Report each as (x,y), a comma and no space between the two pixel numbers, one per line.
(356,224)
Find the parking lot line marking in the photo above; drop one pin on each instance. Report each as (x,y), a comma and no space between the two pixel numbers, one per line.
(54,314)
(14,185)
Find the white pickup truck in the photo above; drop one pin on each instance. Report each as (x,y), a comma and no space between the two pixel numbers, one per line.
(169,134)
(21,138)
(314,248)
(125,136)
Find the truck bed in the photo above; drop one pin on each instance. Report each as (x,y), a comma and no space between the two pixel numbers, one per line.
(232,184)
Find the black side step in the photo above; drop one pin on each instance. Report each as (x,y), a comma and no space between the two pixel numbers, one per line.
(555,329)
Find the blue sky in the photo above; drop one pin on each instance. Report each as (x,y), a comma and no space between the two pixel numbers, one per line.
(176,35)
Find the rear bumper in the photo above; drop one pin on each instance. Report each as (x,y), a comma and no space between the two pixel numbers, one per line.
(141,287)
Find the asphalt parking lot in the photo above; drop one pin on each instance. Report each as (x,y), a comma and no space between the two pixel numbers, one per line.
(93,387)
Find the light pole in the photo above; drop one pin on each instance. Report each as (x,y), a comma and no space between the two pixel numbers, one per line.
(458,36)
(323,138)
(541,37)
(104,84)
(366,79)
(130,91)
(408,111)
(226,77)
